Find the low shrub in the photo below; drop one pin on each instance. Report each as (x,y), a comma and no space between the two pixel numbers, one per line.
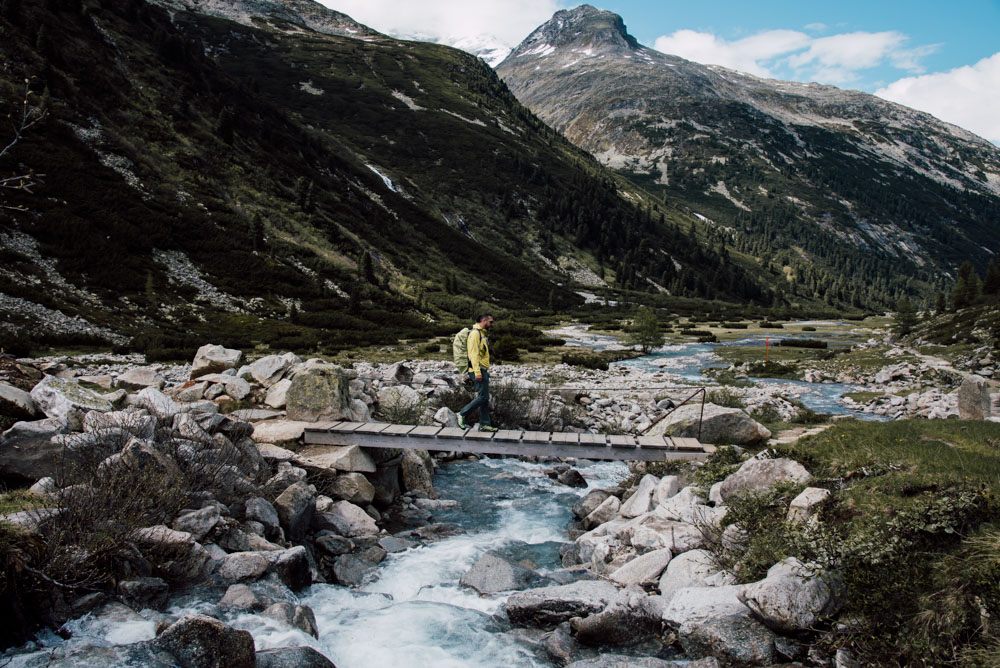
(803,343)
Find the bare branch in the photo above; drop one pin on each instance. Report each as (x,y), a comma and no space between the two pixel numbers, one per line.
(30,115)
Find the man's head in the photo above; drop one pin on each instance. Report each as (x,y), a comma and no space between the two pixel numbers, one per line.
(485,320)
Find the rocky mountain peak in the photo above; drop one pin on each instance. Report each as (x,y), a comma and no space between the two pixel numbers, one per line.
(582,27)
(306,13)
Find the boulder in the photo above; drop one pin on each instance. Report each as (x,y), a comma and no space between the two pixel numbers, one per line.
(607,510)
(446,417)
(398,373)
(296,616)
(974,399)
(261,510)
(682,506)
(346,519)
(16,403)
(291,566)
(187,427)
(295,508)
(135,421)
(353,487)
(694,568)
(191,391)
(28,454)
(718,425)
(337,458)
(351,570)
(198,641)
(199,523)
(157,403)
(633,616)
(214,359)
(804,505)
(549,606)
(279,431)
(140,593)
(667,488)
(757,475)
(67,401)
(493,573)
(292,657)
(240,597)
(320,392)
(639,503)
(240,566)
(713,621)
(645,568)
(141,377)
(277,395)
(418,472)
(268,370)
(589,503)
(572,478)
(334,545)
(794,596)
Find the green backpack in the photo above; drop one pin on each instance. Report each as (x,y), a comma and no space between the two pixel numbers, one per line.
(460,349)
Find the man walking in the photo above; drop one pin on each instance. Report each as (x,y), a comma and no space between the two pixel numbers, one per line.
(479,361)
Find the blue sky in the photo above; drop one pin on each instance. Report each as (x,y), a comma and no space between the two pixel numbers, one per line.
(943,58)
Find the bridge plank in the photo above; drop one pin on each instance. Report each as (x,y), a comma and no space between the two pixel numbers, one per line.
(567,437)
(536,436)
(622,441)
(324,425)
(424,432)
(347,427)
(508,435)
(453,432)
(476,435)
(653,442)
(685,443)
(372,428)
(399,429)
(593,439)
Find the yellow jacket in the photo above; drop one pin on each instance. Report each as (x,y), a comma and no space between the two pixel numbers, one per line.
(479,350)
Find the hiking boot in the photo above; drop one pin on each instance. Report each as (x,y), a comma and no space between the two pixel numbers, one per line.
(486,427)
(461,422)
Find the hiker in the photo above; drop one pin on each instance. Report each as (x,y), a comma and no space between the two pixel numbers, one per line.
(479,363)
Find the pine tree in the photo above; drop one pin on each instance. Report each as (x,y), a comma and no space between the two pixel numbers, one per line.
(647,334)
(991,284)
(906,317)
(966,289)
(939,303)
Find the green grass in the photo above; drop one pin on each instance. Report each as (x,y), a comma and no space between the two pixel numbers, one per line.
(19,500)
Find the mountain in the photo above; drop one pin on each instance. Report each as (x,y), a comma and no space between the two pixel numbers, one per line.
(250,171)
(854,197)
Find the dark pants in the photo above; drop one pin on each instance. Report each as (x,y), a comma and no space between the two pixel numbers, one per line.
(482,400)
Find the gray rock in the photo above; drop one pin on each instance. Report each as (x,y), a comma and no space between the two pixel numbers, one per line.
(352,571)
(757,475)
(346,519)
(157,403)
(268,370)
(277,395)
(804,505)
(622,661)
(192,392)
(589,503)
(493,573)
(254,415)
(141,593)
(794,597)
(353,487)
(16,403)
(694,568)
(572,478)
(291,566)
(261,510)
(133,421)
(974,399)
(286,476)
(236,540)
(398,372)
(141,377)
(639,503)
(214,359)
(67,401)
(334,545)
(243,598)
(241,566)
(645,568)
(395,544)
(667,488)
(292,657)
(325,458)
(560,646)
(446,417)
(297,616)
(418,472)
(295,508)
(199,523)
(549,606)
(320,392)
(605,512)
(187,427)
(385,480)
(719,425)
(633,616)
(198,641)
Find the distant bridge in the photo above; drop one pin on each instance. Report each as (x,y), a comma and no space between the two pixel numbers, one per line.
(507,442)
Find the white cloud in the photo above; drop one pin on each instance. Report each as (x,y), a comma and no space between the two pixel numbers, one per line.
(747,55)
(834,59)
(450,20)
(967,96)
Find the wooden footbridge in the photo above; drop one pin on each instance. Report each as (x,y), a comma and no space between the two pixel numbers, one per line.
(507,441)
